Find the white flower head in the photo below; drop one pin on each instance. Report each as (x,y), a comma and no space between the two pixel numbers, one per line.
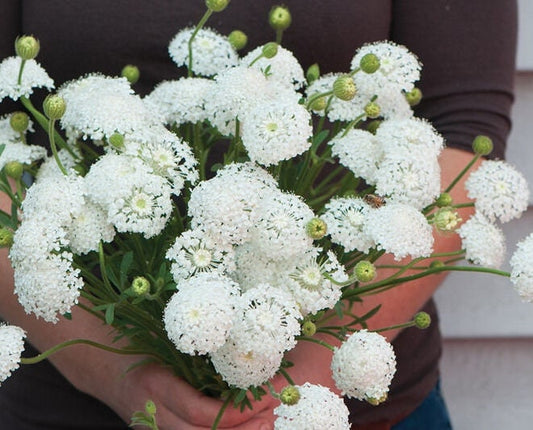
(476,234)
(33,76)
(15,149)
(360,152)
(211,52)
(317,409)
(345,218)
(199,316)
(11,348)
(276,131)
(194,251)
(401,230)
(499,190)
(181,101)
(283,67)
(522,269)
(50,168)
(364,365)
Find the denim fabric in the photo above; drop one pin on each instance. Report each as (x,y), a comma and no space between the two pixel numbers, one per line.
(432,414)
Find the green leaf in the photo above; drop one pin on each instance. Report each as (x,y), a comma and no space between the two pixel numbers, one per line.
(125,266)
(239,397)
(110,314)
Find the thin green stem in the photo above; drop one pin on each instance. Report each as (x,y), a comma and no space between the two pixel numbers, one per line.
(202,22)
(22,64)
(462,173)
(221,412)
(395,327)
(317,341)
(51,137)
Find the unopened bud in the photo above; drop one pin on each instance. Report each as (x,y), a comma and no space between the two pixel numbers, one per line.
(270,49)
(344,88)
(414,96)
(316,228)
(14,169)
(289,395)
(27,47)
(279,18)
(238,39)
(372,110)
(446,219)
(308,328)
(319,104)
(313,73)
(140,286)
(482,145)
(19,121)
(445,199)
(217,5)
(131,73)
(365,271)
(422,320)
(54,106)
(6,237)
(116,140)
(369,63)
(150,408)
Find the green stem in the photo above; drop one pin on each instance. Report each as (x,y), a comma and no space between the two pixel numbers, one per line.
(462,173)
(51,137)
(395,327)
(317,341)
(221,412)
(22,64)
(202,22)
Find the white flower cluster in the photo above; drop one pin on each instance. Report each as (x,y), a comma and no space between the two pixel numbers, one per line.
(34,76)
(11,348)
(522,270)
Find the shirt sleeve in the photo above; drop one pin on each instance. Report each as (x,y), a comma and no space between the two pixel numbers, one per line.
(467,49)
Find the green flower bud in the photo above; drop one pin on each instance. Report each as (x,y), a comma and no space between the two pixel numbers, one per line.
(308,328)
(422,320)
(373,126)
(270,49)
(435,264)
(150,408)
(344,88)
(279,18)
(372,110)
(319,104)
(6,237)
(131,73)
(217,5)
(482,145)
(14,169)
(54,106)
(238,39)
(369,63)
(289,395)
(414,96)
(446,219)
(313,73)
(316,228)
(140,286)
(19,121)
(365,271)
(116,140)
(445,199)
(27,47)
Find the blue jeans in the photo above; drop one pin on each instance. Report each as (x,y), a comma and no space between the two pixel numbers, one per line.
(432,414)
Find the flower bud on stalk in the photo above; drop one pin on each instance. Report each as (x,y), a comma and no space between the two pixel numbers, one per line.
(6,237)
(313,73)
(116,140)
(369,63)
(238,39)
(344,88)
(308,328)
(279,18)
(131,73)
(372,110)
(365,271)
(140,286)
(414,96)
(422,320)
(445,199)
(482,145)
(14,169)
(150,408)
(19,121)
(319,104)
(446,219)
(289,395)
(270,50)
(216,5)
(54,106)
(316,228)
(27,47)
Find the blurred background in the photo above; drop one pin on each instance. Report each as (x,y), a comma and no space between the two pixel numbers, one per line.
(487,366)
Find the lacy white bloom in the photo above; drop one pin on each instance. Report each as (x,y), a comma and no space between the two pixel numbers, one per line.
(50,168)
(392,104)
(276,131)
(408,136)
(499,190)
(338,110)
(280,229)
(359,151)
(33,76)
(11,347)
(363,366)
(412,179)
(226,205)
(211,52)
(283,67)
(181,101)
(309,286)
(345,218)
(399,68)
(483,241)
(317,409)
(244,369)
(199,316)
(99,106)
(522,269)
(194,251)
(401,230)
(266,321)
(25,154)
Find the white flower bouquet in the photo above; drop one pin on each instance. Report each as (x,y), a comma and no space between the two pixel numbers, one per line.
(232,213)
